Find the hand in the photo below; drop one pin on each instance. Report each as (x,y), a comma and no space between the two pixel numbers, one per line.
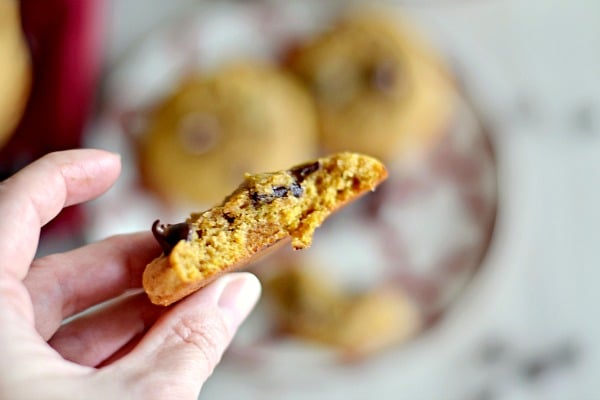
(126,349)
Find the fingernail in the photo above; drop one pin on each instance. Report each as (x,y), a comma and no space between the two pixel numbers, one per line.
(238,297)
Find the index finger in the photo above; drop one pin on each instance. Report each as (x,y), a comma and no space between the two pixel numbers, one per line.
(35,195)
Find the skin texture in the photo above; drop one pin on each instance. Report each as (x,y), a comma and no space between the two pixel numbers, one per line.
(128,348)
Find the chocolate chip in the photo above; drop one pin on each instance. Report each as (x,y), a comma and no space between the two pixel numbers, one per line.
(229,218)
(260,198)
(296,190)
(278,193)
(168,235)
(300,172)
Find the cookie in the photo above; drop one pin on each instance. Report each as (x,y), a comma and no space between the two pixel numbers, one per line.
(243,117)
(308,304)
(265,209)
(378,89)
(15,69)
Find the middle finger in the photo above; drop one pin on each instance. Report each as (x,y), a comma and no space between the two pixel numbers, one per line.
(62,285)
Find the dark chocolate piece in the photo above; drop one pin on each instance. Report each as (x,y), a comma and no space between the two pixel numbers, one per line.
(229,218)
(300,172)
(296,190)
(168,235)
(260,198)
(278,192)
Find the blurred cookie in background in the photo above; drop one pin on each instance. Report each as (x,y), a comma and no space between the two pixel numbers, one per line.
(243,117)
(50,58)
(378,88)
(310,305)
(15,69)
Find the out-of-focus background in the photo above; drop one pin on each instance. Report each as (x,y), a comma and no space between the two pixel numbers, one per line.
(470,275)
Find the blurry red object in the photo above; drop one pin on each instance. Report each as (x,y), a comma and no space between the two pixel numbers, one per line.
(64,37)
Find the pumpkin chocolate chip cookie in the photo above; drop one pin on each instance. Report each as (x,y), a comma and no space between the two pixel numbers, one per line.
(264,210)
(216,125)
(309,304)
(378,89)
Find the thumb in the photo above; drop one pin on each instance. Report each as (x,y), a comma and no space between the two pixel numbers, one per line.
(183,347)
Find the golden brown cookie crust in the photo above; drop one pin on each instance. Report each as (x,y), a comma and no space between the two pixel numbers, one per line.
(263,211)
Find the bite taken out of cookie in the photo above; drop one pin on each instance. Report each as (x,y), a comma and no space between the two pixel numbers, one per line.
(265,210)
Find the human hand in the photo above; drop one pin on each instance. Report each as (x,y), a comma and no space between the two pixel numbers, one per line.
(128,349)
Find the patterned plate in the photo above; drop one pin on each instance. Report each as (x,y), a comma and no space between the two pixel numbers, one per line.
(424,232)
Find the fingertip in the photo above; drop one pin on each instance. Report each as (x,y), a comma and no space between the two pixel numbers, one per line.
(86,173)
(239,294)
(112,156)
(190,338)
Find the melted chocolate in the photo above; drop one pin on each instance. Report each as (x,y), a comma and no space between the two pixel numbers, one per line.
(300,172)
(168,235)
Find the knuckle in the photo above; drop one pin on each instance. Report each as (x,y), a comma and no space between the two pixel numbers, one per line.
(205,335)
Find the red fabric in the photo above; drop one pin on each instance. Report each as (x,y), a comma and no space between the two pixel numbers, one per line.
(64,40)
